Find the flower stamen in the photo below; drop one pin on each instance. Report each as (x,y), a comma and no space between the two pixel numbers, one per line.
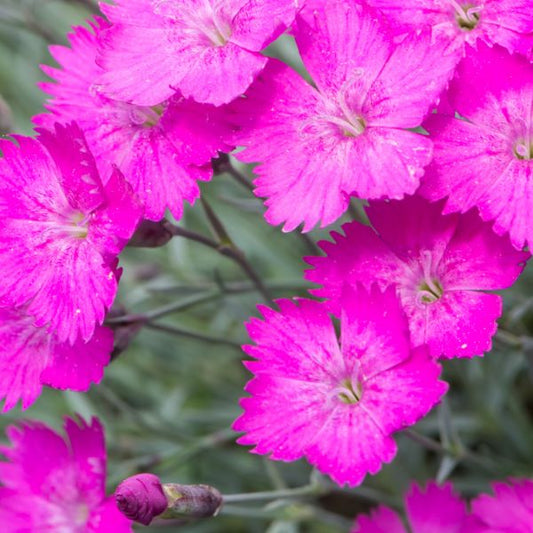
(347,392)
(523,150)
(430,289)
(146,116)
(467,16)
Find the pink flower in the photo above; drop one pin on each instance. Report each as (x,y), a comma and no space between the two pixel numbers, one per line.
(435,510)
(61,231)
(487,160)
(31,357)
(510,510)
(505,22)
(439,265)
(317,146)
(161,150)
(51,483)
(207,49)
(337,405)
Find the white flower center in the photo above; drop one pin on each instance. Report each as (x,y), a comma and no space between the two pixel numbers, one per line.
(79,226)
(204,21)
(467,15)
(146,116)
(429,289)
(348,392)
(340,113)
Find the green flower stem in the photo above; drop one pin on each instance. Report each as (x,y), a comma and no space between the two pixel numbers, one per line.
(224,165)
(306,490)
(159,312)
(458,453)
(230,251)
(173,330)
(238,287)
(509,339)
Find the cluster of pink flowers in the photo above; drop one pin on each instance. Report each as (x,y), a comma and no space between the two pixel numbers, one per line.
(448,214)
(438,509)
(421,107)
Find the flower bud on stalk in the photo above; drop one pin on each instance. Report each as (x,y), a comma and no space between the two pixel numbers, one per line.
(142,498)
(150,235)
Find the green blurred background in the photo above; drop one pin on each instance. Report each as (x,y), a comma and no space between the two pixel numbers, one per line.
(168,401)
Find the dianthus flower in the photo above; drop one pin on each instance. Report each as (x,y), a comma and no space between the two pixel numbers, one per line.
(57,484)
(440,266)
(31,357)
(509,510)
(161,150)
(348,135)
(435,510)
(487,160)
(336,405)
(61,231)
(207,49)
(505,22)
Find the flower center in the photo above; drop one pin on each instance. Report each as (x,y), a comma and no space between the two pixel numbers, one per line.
(429,288)
(348,392)
(430,291)
(79,226)
(209,22)
(466,15)
(340,112)
(82,514)
(218,34)
(200,20)
(523,150)
(146,117)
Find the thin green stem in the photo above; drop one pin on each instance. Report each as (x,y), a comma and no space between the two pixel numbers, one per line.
(159,312)
(458,453)
(230,251)
(306,490)
(223,165)
(174,330)
(509,339)
(239,287)
(426,442)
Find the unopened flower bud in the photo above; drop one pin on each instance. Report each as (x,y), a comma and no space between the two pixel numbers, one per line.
(150,235)
(193,501)
(141,498)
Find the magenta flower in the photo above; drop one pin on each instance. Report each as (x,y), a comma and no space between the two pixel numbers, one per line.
(317,146)
(337,405)
(505,22)
(51,483)
(435,510)
(61,231)
(31,357)
(487,160)
(162,150)
(510,510)
(440,266)
(206,49)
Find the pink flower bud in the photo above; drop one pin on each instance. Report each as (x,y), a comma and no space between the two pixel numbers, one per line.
(141,498)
